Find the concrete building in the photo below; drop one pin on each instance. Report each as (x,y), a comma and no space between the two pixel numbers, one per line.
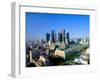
(62,46)
(60,53)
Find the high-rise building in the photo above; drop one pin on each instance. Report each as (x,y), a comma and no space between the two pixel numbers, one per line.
(67,37)
(47,37)
(63,35)
(53,36)
(59,37)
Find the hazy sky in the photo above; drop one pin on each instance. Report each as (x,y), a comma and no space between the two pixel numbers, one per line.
(38,24)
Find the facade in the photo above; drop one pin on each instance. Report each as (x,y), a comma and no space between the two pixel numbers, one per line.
(67,38)
(60,37)
(60,53)
(63,35)
(47,37)
(53,36)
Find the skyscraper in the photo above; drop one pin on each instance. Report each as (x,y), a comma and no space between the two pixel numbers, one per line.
(63,35)
(62,39)
(67,37)
(53,36)
(59,37)
(47,37)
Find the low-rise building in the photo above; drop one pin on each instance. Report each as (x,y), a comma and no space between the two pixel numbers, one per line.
(60,53)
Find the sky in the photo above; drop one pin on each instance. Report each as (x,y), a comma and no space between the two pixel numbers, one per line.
(38,24)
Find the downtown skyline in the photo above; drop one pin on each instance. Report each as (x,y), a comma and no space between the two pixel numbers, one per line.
(38,24)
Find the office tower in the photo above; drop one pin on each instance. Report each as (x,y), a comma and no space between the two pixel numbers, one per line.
(60,39)
(63,35)
(47,37)
(58,36)
(53,36)
(67,37)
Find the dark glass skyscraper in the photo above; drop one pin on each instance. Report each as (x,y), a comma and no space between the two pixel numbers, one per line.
(67,37)
(60,37)
(53,36)
(63,35)
(47,37)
